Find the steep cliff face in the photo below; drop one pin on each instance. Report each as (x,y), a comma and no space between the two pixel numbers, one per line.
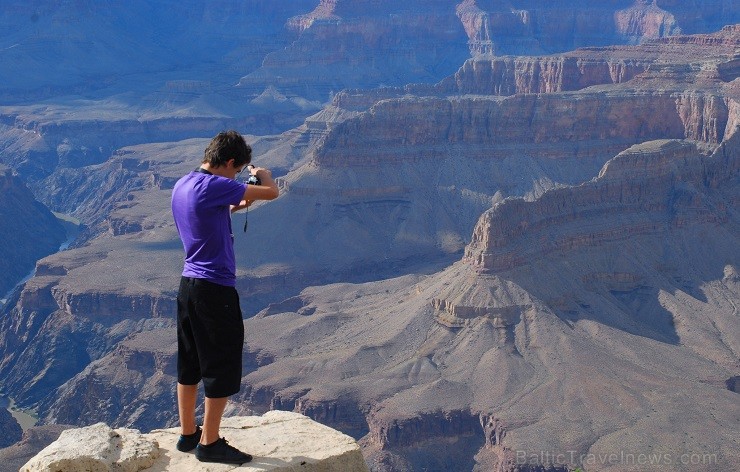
(621,90)
(642,191)
(645,20)
(29,231)
(145,361)
(591,126)
(654,61)
(62,320)
(512,75)
(13,431)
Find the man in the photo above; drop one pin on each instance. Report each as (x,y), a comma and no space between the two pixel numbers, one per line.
(210,332)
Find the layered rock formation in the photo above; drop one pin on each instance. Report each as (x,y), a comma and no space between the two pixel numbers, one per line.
(536,27)
(338,36)
(633,195)
(279,441)
(645,19)
(623,295)
(291,60)
(589,67)
(495,137)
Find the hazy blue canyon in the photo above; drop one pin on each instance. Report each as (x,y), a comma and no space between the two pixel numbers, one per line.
(508,236)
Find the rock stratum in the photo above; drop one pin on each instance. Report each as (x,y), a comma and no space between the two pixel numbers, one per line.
(532,261)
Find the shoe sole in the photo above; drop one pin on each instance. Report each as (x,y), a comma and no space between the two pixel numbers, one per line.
(222,461)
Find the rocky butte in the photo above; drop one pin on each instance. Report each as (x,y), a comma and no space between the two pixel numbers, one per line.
(533,262)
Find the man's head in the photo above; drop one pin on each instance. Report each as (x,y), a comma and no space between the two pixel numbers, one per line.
(225,146)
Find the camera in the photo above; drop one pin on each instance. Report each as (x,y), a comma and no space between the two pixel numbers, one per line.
(253,179)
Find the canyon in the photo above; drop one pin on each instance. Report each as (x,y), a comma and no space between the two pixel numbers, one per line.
(521,249)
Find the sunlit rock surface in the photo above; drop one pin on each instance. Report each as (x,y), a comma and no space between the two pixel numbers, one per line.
(278,441)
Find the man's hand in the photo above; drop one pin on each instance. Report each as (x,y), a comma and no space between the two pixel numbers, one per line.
(259,172)
(267,190)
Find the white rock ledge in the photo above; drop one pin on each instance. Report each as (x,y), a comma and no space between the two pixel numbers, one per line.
(278,440)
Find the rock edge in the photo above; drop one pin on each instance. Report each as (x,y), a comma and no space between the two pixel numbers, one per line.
(278,440)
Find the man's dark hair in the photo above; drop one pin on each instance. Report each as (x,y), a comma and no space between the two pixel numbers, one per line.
(228,145)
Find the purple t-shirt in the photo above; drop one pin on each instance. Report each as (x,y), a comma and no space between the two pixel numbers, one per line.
(200,207)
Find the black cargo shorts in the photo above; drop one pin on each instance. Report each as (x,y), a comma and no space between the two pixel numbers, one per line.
(210,337)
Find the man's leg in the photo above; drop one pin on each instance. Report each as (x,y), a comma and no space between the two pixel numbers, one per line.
(187,395)
(188,369)
(214,409)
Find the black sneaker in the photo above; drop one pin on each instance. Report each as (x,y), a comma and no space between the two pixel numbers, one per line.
(187,442)
(220,451)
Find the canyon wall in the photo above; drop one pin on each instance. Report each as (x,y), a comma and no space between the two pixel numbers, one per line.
(13,431)
(634,195)
(29,231)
